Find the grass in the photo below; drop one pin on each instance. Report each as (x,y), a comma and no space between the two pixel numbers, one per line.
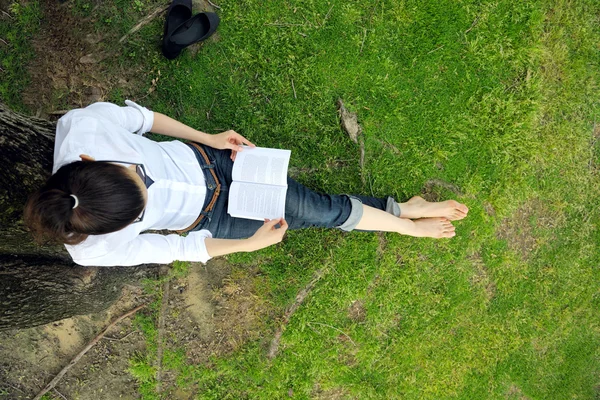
(498,98)
(16,30)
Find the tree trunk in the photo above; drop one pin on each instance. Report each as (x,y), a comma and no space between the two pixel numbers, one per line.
(36,290)
(41,284)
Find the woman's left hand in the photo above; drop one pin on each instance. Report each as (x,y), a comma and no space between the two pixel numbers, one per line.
(229,140)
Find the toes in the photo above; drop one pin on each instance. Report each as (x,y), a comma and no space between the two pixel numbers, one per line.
(462,208)
(458,215)
(459,208)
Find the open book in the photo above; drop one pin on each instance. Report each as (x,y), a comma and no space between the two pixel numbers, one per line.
(259,183)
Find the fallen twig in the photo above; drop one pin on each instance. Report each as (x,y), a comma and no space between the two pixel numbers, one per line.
(144,21)
(282,24)
(291,310)
(91,344)
(334,328)
(210,109)
(59,393)
(363,41)
(121,338)
(310,23)
(58,112)
(472,25)
(213,4)
(294,89)
(16,388)
(439,48)
(327,16)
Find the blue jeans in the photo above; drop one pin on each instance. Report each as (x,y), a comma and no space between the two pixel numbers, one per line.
(304,208)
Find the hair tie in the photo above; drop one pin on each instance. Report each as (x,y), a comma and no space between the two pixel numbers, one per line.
(76,201)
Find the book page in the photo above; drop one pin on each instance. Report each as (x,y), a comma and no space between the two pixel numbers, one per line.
(256,201)
(261,165)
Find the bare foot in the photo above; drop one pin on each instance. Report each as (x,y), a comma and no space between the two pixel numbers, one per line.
(434,228)
(418,207)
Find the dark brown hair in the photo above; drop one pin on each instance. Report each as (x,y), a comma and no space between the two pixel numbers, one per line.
(109,200)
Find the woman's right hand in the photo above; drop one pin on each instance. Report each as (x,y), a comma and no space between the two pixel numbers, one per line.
(268,234)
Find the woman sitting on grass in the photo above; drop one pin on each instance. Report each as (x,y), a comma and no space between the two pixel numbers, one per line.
(109,186)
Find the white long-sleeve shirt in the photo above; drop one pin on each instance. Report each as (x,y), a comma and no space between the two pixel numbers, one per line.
(175,199)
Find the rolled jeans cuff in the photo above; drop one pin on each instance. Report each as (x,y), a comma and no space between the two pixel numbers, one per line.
(392,207)
(356,212)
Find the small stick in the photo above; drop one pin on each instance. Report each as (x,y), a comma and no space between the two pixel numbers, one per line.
(59,393)
(441,47)
(472,25)
(333,327)
(363,41)
(327,16)
(58,377)
(16,388)
(144,21)
(228,62)
(213,4)
(7,14)
(210,109)
(294,89)
(121,338)
(282,24)
(288,314)
(302,34)
(310,23)
(58,112)
(4,41)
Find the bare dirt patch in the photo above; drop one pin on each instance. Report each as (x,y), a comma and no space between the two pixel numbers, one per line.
(212,312)
(68,69)
(433,189)
(519,229)
(514,392)
(357,311)
(30,358)
(319,393)
(489,209)
(481,277)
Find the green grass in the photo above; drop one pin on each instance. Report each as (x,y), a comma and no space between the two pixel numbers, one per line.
(17,28)
(504,108)
(499,98)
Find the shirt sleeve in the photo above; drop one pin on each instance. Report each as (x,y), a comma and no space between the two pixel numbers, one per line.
(132,117)
(150,248)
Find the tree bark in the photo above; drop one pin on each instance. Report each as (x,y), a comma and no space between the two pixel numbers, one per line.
(36,290)
(41,284)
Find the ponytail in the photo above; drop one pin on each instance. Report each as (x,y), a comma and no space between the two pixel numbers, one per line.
(83,198)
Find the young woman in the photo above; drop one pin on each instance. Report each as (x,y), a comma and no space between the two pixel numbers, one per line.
(110,186)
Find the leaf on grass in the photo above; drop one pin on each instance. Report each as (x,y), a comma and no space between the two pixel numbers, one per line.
(349,122)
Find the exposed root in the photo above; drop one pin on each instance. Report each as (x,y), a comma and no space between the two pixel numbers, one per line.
(291,310)
(74,361)
(144,21)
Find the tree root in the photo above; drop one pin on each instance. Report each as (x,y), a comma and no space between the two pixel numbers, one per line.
(91,344)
